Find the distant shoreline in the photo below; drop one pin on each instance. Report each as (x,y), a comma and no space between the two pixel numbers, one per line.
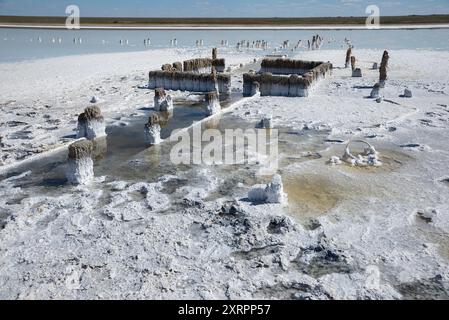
(312,23)
(230,28)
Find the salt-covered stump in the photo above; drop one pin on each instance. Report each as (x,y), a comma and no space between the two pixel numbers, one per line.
(375,91)
(407,93)
(375,66)
(80,167)
(162,101)
(153,130)
(212,103)
(167,67)
(177,66)
(214,53)
(272,192)
(91,124)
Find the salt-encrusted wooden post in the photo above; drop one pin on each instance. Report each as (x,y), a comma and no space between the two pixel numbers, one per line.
(348,57)
(212,103)
(159,96)
(214,53)
(383,69)
(167,67)
(356,72)
(265,83)
(153,130)
(162,101)
(80,167)
(352,62)
(91,124)
(215,79)
(177,66)
(255,88)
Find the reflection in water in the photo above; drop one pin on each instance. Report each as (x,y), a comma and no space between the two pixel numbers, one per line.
(100,148)
(127,151)
(164,117)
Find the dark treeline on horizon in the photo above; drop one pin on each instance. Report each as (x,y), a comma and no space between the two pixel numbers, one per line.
(127,21)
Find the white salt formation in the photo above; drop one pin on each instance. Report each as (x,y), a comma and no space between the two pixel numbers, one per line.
(273,192)
(407,93)
(369,156)
(153,130)
(162,101)
(212,103)
(91,124)
(335,160)
(80,167)
(334,252)
(429,215)
(375,91)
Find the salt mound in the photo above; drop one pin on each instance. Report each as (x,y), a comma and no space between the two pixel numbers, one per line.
(273,192)
(369,157)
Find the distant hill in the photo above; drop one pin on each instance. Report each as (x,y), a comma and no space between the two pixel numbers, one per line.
(313,21)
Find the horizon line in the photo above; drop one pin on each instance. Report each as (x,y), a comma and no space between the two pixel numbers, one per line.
(234,17)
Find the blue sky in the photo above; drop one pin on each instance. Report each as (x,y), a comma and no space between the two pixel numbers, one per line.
(222,8)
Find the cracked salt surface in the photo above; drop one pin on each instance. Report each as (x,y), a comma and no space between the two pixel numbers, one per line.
(191,188)
(160,231)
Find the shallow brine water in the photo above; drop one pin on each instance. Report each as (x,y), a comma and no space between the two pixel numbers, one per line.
(123,156)
(24,44)
(110,153)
